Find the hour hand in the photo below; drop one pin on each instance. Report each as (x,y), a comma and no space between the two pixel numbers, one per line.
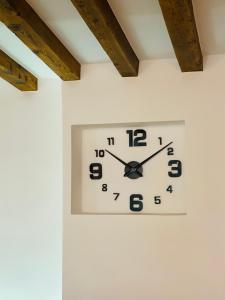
(116,157)
(123,162)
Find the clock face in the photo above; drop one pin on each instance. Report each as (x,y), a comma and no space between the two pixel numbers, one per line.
(128,168)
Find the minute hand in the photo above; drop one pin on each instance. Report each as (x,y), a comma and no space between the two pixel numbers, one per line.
(148,158)
(154,154)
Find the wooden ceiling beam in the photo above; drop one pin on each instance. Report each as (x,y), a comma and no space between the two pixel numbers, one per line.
(22,20)
(15,74)
(101,20)
(180,22)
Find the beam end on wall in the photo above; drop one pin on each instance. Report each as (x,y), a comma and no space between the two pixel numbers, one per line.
(16,74)
(101,20)
(23,21)
(181,26)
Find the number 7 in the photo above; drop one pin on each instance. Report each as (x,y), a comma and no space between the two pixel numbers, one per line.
(117,195)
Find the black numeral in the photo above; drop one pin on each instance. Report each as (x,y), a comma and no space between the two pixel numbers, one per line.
(136,203)
(117,195)
(160,140)
(100,153)
(157,199)
(111,141)
(136,137)
(104,187)
(96,171)
(176,168)
(170,151)
(170,189)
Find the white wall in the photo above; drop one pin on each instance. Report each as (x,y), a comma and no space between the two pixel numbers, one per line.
(111,257)
(152,257)
(30,192)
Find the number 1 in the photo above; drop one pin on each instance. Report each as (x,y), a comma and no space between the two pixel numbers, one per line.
(160,140)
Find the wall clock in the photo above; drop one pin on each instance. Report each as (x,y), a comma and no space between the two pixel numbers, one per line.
(133,168)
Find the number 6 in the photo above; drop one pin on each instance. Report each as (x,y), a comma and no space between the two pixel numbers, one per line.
(136,203)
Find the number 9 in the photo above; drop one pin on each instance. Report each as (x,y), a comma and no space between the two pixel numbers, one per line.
(96,171)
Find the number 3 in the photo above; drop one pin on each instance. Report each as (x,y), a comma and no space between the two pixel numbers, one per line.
(176,168)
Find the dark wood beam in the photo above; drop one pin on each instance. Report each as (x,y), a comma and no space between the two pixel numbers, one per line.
(180,22)
(101,20)
(22,20)
(16,75)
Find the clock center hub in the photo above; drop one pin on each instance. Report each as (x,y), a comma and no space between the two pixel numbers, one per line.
(134,172)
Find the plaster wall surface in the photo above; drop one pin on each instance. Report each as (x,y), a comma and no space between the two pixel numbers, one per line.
(151,257)
(31,192)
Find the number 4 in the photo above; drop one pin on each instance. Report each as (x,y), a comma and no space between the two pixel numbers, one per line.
(170,189)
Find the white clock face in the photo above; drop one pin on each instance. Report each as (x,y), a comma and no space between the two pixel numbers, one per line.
(128,168)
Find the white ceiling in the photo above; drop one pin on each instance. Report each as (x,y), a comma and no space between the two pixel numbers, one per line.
(141,20)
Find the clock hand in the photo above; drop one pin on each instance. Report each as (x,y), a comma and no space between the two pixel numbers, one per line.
(122,162)
(147,159)
(154,154)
